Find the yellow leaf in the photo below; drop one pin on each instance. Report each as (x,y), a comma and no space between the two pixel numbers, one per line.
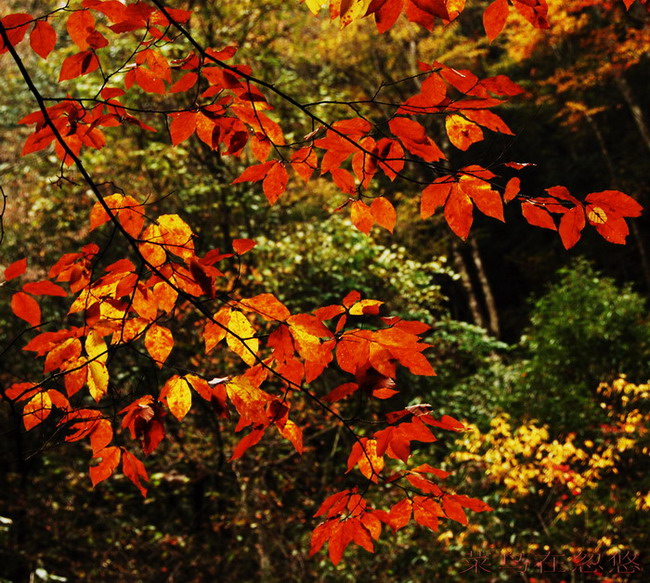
(96,348)
(248,346)
(178,396)
(214,333)
(97,379)
(353,9)
(314,5)
(176,235)
(159,343)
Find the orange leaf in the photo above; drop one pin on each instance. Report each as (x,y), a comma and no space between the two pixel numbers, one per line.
(361,216)
(110,457)
(267,306)
(176,236)
(384,213)
(80,25)
(159,342)
(37,410)
(26,308)
(494,18)
(293,433)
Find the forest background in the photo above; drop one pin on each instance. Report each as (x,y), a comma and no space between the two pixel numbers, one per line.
(544,353)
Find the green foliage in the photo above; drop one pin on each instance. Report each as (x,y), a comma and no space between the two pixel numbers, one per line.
(584,330)
(323,260)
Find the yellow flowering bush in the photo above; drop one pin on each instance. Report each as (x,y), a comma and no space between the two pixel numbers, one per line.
(571,494)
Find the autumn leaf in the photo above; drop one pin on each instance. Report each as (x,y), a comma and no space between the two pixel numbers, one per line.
(42,38)
(241,246)
(241,337)
(16,269)
(37,410)
(134,470)
(26,308)
(159,342)
(462,133)
(383,213)
(176,393)
(494,18)
(110,459)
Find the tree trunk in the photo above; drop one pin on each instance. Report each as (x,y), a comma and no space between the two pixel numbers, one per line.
(472,300)
(490,304)
(635,108)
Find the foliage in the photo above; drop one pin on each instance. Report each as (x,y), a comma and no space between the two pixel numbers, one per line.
(584,329)
(117,320)
(579,496)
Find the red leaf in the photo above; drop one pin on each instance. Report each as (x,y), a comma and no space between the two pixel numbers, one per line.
(110,457)
(250,440)
(185,83)
(614,201)
(80,25)
(134,470)
(400,514)
(275,182)
(45,288)
(183,126)
(458,212)
(26,308)
(494,18)
(434,196)
(254,173)
(572,223)
(16,27)
(78,65)
(537,215)
(415,139)
(241,246)
(387,15)
(16,269)
(512,189)
(454,510)
(42,38)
